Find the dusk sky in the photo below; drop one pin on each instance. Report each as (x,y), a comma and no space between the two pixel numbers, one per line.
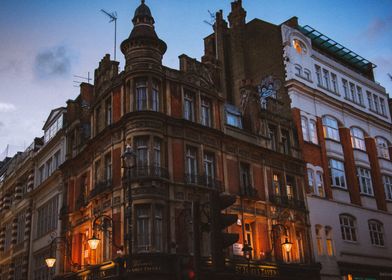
(43,43)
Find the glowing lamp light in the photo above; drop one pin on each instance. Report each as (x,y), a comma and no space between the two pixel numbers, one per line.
(287,245)
(93,242)
(50,261)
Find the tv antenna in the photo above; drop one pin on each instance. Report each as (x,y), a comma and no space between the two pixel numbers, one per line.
(113,17)
(212,19)
(88,79)
(390,76)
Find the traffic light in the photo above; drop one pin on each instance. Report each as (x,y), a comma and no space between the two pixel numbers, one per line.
(187,271)
(221,239)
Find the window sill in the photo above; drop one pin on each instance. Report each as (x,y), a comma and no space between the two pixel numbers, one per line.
(328,90)
(375,112)
(351,242)
(354,102)
(339,188)
(359,150)
(312,143)
(367,195)
(333,140)
(304,78)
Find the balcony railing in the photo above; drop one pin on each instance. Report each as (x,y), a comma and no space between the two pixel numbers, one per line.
(100,187)
(149,171)
(248,191)
(287,201)
(202,180)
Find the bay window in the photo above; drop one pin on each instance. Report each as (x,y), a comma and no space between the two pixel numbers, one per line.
(338,178)
(358,138)
(331,128)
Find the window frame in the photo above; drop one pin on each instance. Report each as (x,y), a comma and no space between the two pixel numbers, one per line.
(348,228)
(365,181)
(337,173)
(357,138)
(331,128)
(376,232)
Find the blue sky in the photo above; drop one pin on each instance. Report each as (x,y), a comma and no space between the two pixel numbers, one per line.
(43,43)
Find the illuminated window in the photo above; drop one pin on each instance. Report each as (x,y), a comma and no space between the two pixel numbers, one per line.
(299,46)
(329,241)
(276,184)
(319,240)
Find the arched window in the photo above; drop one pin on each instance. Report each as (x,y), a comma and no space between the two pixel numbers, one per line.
(299,46)
(382,147)
(298,70)
(376,230)
(358,138)
(348,227)
(331,128)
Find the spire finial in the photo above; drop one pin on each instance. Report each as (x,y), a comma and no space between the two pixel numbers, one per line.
(142,1)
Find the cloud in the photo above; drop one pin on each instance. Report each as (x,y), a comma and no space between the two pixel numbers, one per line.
(7,107)
(10,66)
(377,27)
(53,63)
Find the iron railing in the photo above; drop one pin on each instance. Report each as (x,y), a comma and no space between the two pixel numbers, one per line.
(150,171)
(202,180)
(287,201)
(100,187)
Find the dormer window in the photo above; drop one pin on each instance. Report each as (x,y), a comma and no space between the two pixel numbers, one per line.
(299,46)
(51,131)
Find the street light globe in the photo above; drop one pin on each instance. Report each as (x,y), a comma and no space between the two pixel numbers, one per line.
(287,245)
(93,242)
(50,261)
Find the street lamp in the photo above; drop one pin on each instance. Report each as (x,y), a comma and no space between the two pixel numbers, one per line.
(93,242)
(286,244)
(247,249)
(128,158)
(51,259)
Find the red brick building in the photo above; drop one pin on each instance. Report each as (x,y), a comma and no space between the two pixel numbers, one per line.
(195,131)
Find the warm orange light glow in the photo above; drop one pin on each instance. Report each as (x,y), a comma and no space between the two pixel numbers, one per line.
(93,242)
(287,245)
(50,261)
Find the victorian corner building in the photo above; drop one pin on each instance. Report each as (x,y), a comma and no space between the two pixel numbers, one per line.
(268,159)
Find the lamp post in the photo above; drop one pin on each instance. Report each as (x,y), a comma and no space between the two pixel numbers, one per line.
(247,249)
(128,158)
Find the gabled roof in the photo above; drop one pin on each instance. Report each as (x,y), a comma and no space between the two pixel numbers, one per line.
(52,116)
